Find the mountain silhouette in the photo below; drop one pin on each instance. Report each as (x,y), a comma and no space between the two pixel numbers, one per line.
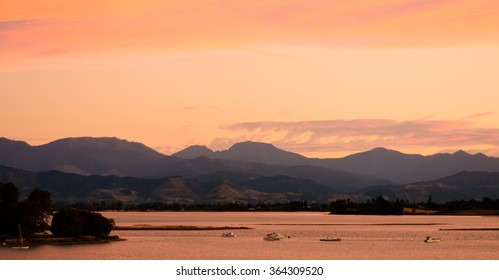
(194,152)
(113,156)
(378,162)
(247,151)
(83,155)
(405,168)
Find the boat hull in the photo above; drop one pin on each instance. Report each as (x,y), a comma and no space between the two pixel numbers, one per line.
(432,241)
(330,239)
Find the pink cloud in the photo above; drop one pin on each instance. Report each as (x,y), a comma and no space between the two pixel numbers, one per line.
(208,24)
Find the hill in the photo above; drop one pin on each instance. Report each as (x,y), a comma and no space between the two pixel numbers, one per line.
(253,189)
(464,185)
(225,187)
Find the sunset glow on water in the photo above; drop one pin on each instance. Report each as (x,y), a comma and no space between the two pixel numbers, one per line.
(363,238)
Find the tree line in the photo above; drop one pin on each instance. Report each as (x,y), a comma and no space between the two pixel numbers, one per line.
(374,206)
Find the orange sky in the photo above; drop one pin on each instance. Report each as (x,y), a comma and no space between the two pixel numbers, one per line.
(320,78)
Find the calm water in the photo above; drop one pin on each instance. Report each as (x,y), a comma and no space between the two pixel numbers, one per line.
(363,237)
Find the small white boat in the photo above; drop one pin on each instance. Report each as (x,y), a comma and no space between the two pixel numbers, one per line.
(20,247)
(329,238)
(228,234)
(430,239)
(21,241)
(274,236)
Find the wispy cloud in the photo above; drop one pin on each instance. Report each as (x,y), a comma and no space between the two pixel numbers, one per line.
(16,24)
(53,52)
(478,115)
(334,136)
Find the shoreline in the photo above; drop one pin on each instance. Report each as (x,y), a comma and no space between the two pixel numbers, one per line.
(179,227)
(469,229)
(50,240)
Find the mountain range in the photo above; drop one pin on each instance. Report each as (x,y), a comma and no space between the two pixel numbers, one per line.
(378,162)
(112,156)
(115,169)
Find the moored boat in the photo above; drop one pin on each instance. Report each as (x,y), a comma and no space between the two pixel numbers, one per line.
(274,236)
(330,238)
(21,241)
(430,239)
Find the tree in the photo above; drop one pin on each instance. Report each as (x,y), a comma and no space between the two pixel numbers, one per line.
(9,196)
(31,215)
(67,222)
(71,222)
(39,205)
(98,225)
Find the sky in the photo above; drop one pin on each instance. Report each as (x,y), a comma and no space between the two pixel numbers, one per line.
(319,78)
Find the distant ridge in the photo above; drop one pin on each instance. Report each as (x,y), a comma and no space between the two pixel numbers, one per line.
(262,152)
(194,152)
(405,168)
(83,155)
(247,151)
(113,156)
(378,162)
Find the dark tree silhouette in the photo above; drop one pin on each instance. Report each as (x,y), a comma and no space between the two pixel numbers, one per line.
(71,222)
(38,205)
(31,214)
(9,196)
